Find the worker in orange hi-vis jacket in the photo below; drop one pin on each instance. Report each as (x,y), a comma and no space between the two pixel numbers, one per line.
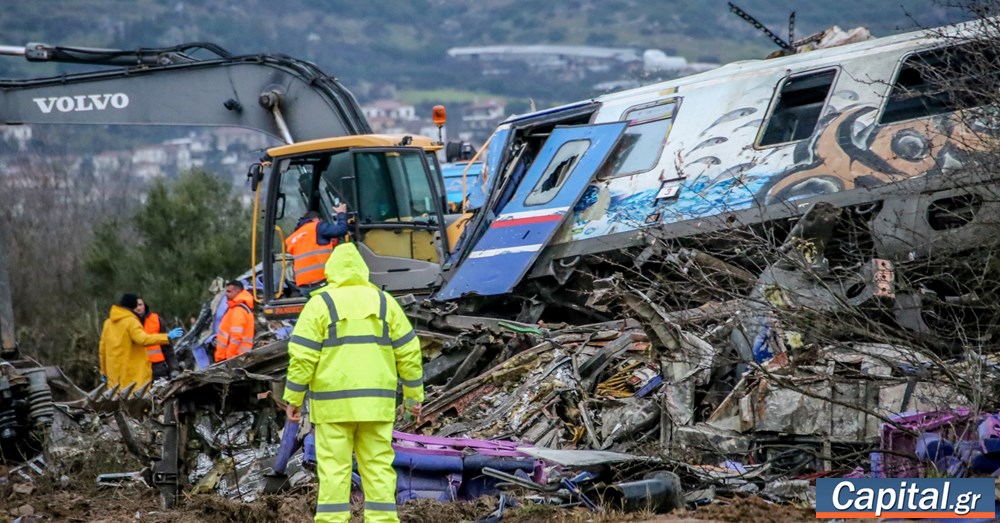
(161,357)
(311,244)
(236,330)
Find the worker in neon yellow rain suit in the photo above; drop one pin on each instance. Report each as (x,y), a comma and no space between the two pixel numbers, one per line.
(350,345)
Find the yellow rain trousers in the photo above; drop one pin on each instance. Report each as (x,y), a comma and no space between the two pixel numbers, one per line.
(351,347)
(372,444)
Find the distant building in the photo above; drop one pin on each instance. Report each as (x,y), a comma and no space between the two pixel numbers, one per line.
(390,109)
(575,62)
(551,58)
(148,161)
(616,85)
(655,61)
(110,161)
(236,138)
(17,134)
(391,116)
(479,118)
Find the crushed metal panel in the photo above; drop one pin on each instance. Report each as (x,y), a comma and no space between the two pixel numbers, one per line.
(581,458)
(626,418)
(848,412)
(919,397)
(788,411)
(539,206)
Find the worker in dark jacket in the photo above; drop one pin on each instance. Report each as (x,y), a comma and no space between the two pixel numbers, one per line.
(311,244)
(161,357)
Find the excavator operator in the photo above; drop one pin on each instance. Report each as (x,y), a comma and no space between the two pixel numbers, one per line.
(311,244)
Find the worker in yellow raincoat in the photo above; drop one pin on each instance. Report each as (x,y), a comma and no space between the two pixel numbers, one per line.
(123,345)
(350,345)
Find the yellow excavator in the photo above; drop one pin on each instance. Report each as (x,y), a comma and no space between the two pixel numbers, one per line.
(392,184)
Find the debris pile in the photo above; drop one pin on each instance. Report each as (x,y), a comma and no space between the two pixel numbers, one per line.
(657,411)
(552,394)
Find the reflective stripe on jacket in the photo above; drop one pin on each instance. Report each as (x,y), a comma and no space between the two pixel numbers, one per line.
(350,347)
(236,330)
(152,326)
(308,256)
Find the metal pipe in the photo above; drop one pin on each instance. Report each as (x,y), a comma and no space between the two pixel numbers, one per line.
(272,100)
(11,50)
(282,126)
(40,52)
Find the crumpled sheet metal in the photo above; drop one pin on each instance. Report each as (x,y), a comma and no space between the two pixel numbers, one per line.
(246,480)
(201,466)
(552,394)
(568,391)
(825,400)
(623,418)
(446,469)
(236,474)
(234,433)
(263,363)
(31,469)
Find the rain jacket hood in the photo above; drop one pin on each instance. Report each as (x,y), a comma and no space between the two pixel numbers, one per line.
(351,347)
(346,267)
(119,313)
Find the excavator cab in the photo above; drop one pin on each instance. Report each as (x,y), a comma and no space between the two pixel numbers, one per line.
(394,192)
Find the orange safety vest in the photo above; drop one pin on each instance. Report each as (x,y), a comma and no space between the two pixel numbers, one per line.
(308,256)
(236,331)
(152,326)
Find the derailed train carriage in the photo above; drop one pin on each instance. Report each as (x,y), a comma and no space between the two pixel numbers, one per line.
(872,158)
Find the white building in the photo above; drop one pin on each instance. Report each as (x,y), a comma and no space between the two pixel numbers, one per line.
(390,109)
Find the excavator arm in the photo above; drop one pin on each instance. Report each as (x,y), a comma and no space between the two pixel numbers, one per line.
(275,94)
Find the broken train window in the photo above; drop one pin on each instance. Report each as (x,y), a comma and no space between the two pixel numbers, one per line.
(944,80)
(557,172)
(641,144)
(797,109)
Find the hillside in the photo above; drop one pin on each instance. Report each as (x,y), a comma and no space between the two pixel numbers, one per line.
(404,43)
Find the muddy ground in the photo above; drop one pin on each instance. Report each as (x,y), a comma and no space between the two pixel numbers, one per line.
(71,494)
(139,504)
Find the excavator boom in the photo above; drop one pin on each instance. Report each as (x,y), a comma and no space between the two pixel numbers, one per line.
(202,84)
(275,94)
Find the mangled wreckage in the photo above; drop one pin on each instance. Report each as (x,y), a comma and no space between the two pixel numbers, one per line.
(851,159)
(737,281)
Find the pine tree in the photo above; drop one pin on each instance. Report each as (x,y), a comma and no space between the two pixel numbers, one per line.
(188,232)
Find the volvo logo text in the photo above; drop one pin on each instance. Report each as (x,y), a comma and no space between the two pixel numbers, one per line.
(82,102)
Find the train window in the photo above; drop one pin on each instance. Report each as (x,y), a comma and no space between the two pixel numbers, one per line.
(798,107)
(641,143)
(942,81)
(557,172)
